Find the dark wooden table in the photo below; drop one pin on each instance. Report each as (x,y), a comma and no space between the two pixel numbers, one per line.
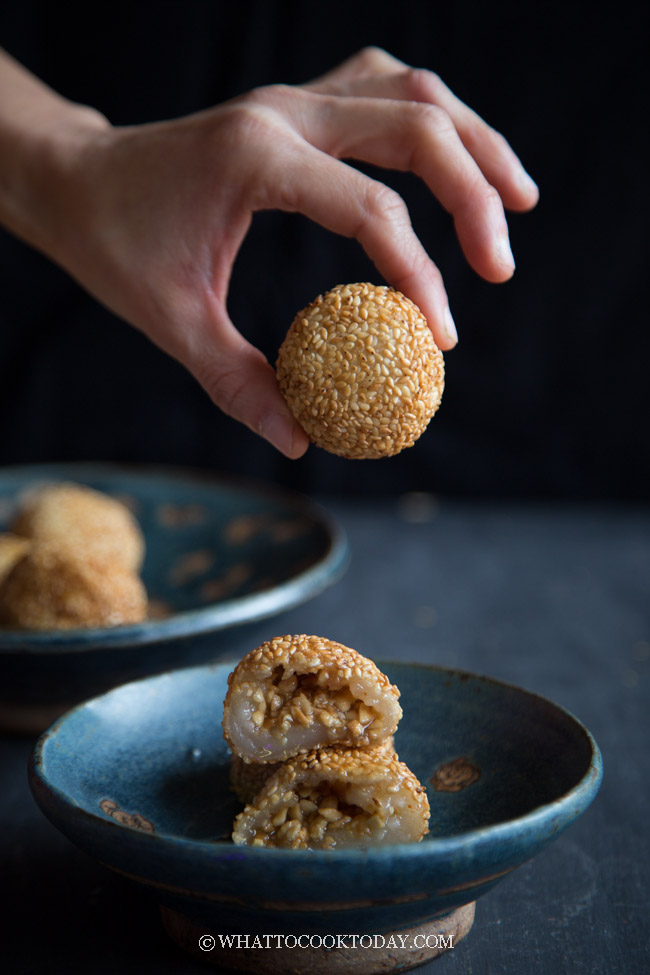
(554,598)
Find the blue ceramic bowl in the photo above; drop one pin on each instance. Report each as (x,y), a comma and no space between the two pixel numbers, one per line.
(219,553)
(139,779)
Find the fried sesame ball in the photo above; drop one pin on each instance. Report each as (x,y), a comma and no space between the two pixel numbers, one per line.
(247,778)
(49,589)
(336,798)
(298,692)
(361,372)
(12,548)
(86,523)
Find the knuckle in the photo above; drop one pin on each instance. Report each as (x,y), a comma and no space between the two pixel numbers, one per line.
(270,94)
(248,121)
(480,196)
(490,196)
(422,85)
(258,111)
(385,204)
(373,58)
(430,121)
(253,140)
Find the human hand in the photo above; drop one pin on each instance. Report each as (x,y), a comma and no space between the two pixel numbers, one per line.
(150,218)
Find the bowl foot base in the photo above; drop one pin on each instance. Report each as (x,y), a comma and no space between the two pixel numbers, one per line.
(374,954)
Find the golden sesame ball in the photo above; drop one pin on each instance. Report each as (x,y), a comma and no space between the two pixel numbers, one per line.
(12,548)
(84,522)
(50,589)
(361,372)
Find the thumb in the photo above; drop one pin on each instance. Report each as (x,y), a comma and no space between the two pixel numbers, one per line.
(240,381)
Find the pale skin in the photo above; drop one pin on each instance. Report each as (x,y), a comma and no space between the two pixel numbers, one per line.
(150,218)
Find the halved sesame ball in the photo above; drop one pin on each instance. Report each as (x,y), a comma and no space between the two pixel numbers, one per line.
(298,692)
(247,778)
(361,372)
(336,798)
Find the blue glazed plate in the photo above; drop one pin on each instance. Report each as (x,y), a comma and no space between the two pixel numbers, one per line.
(219,553)
(138,778)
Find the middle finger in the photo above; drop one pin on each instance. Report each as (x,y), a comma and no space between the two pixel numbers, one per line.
(408,135)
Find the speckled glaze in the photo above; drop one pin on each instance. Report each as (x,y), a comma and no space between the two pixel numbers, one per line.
(219,553)
(138,778)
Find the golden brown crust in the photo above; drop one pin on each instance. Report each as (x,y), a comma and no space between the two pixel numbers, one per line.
(12,548)
(361,372)
(48,589)
(86,523)
(294,693)
(247,778)
(336,797)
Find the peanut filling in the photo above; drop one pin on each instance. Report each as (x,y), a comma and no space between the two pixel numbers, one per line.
(317,815)
(302,699)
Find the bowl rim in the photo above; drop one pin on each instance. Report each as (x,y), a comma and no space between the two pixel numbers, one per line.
(213,617)
(560,811)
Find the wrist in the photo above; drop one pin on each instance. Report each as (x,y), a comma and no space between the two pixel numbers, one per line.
(42,151)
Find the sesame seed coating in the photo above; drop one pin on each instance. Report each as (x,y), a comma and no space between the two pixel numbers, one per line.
(335,798)
(361,372)
(247,779)
(48,589)
(87,523)
(296,693)
(12,548)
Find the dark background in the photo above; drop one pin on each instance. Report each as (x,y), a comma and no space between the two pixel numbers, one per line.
(547,392)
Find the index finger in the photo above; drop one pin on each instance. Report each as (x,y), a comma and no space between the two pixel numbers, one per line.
(347,202)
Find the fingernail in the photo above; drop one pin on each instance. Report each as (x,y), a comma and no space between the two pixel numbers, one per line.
(449,325)
(278,429)
(503,252)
